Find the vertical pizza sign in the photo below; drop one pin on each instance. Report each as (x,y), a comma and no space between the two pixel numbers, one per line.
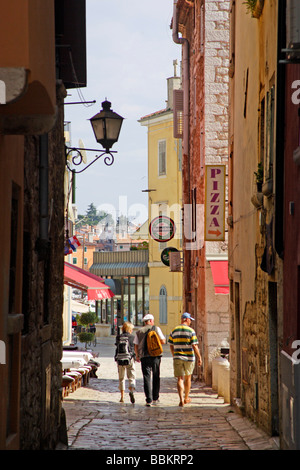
(215,202)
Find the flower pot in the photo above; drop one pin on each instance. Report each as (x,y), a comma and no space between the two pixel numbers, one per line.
(267,187)
(257,199)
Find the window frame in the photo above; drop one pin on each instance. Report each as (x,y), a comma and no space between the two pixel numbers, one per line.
(163,305)
(162,155)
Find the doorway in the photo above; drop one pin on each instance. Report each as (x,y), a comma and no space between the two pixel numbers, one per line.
(273,335)
(237,337)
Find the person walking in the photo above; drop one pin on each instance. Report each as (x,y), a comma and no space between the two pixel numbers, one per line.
(184,346)
(150,365)
(125,358)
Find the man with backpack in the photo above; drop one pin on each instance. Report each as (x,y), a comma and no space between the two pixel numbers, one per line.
(124,356)
(148,351)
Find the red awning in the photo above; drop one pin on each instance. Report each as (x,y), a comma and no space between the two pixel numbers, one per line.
(83,280)
(219,271)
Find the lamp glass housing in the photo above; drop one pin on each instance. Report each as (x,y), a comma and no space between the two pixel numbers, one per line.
(106,126)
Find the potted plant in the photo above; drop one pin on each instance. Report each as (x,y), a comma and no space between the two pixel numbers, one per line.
(86,319)
(259,177)
(254,7)
(257,197)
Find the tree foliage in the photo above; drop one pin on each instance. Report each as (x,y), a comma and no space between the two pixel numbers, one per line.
(91,217)
(87,318)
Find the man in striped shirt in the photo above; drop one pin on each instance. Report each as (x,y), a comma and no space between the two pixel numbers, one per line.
(184,346)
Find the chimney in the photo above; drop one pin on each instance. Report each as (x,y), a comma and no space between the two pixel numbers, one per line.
(174,83)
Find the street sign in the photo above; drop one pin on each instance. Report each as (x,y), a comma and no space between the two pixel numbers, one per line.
(165,254)
(215,202)
(162,228)
(175,262)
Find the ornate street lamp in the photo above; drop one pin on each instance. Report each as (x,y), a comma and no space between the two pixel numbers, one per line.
(106,126)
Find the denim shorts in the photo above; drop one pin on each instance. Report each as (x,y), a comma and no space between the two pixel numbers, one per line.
(182,368)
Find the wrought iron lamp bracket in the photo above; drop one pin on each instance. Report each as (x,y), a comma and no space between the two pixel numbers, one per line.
(77,159)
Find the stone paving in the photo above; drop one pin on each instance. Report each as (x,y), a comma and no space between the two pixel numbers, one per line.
(96,420)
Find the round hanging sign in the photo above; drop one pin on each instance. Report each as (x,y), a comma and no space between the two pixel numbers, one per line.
(165,255)
(162,228)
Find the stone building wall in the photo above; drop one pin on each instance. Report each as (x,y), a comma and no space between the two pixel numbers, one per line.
(43,292)
(206,26)
(216,80)
(216,152)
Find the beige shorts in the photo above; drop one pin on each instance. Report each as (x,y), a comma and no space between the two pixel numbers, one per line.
(182,368)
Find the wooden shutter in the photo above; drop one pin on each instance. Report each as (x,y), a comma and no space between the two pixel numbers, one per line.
(163,308)
(162,158)
(178,114)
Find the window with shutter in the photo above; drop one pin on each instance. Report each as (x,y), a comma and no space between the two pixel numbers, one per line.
(163,310)
(194,213)
(292,29)
(162,158)
(270,132)
(178,114)
(202,30)
(232,40)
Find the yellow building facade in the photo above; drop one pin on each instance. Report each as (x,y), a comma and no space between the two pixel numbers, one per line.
(165,199)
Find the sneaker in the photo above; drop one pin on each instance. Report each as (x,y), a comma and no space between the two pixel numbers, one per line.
(132,399)
(148,404)
(155,402)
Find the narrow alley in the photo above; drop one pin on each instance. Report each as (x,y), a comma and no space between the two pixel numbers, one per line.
(96,420)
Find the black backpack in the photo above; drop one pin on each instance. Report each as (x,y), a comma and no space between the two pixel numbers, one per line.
(123,354)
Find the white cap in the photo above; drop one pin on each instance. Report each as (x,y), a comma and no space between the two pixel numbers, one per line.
(148,317)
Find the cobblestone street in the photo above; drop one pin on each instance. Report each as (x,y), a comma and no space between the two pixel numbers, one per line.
(96,420)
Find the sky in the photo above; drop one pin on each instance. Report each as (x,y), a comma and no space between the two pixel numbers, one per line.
(130,55)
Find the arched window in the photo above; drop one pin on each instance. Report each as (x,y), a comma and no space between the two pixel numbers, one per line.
(163,305)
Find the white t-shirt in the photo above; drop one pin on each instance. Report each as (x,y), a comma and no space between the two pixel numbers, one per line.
(140,337)
(158,331)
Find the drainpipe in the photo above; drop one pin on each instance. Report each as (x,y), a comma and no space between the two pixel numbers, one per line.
(42,244)
(186,79)
(186,150)
(44,187)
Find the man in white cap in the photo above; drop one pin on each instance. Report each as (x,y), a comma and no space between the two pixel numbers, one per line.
(184,346)
(150,365)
